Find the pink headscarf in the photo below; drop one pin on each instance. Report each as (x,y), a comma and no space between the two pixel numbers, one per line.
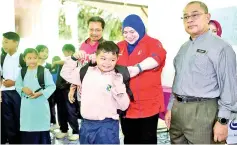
(218,27)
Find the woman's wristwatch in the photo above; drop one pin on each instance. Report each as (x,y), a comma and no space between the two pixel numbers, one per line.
(139,67)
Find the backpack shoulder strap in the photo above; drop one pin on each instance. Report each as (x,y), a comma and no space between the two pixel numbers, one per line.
(40,76)
(84,69)
(48,66)
(126,79)
(23,72)
(3,56)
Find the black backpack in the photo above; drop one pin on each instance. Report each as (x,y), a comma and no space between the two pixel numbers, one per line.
(40,76)
(118,69)
(48,66)
(21,60)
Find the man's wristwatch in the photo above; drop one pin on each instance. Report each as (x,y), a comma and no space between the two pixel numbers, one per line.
(223,121)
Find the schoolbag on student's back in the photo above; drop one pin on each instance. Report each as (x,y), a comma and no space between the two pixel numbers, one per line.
(21,60)
(40,75)
(48,66)
(118,69)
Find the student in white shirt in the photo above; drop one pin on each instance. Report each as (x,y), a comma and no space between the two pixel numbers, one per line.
(10,106)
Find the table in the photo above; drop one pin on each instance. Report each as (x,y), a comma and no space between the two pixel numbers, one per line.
(167,91)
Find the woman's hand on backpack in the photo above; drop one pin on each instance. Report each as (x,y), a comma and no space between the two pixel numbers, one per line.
(27,91)
(133,71)
(81,54)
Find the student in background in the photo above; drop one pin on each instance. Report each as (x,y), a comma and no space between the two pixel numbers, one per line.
(10,106)
(43,56)
(35,112)
(54,69)
(67,112)
(43,52)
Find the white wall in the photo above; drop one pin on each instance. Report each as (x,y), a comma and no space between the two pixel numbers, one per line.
(7,17)
(164,23)
(44,27)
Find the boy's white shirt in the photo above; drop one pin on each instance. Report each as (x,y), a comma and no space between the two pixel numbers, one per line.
(11,69)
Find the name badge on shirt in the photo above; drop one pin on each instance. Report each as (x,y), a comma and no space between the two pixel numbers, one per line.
(201,51)
(108,88)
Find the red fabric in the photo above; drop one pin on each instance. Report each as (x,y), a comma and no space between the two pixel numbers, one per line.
(218,26)
(146,87)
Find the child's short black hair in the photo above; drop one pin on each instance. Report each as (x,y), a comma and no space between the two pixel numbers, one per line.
(69,47)
(56,58)
(11,36)
(97,19)
(108,46)
(41,48)
(30,50)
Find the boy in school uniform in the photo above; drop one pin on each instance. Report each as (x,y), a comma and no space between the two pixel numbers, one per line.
(67,112)
(102,93)
(10,106)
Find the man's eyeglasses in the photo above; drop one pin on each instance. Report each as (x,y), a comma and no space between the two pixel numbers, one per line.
(193,16)
(95,30)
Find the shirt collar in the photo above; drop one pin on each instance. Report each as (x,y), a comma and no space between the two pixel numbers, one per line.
(16,54)
(201,37)
(87,41)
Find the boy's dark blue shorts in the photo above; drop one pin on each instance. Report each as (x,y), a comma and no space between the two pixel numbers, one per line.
(99,132)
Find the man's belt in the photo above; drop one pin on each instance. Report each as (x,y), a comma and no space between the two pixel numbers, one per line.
(184,99)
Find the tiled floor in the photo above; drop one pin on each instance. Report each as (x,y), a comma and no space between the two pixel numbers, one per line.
(162,135)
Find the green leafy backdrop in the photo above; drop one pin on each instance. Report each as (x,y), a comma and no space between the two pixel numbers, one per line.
(112,27)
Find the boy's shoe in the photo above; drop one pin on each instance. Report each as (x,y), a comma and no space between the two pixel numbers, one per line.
(73,137)
(61,135)
(53,127)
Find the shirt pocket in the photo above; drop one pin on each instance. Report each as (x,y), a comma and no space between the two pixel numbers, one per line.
(199,63)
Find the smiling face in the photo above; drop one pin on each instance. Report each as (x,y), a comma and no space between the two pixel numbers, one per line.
(130,35)
(95,31)
(195,20)
(106,61)
(44,54)
(31,60)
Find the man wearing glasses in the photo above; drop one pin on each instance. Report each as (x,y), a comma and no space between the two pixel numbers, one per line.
(95,30)
(205,85)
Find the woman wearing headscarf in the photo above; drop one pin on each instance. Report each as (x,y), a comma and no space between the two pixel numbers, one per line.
(145,58)
(215,27)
